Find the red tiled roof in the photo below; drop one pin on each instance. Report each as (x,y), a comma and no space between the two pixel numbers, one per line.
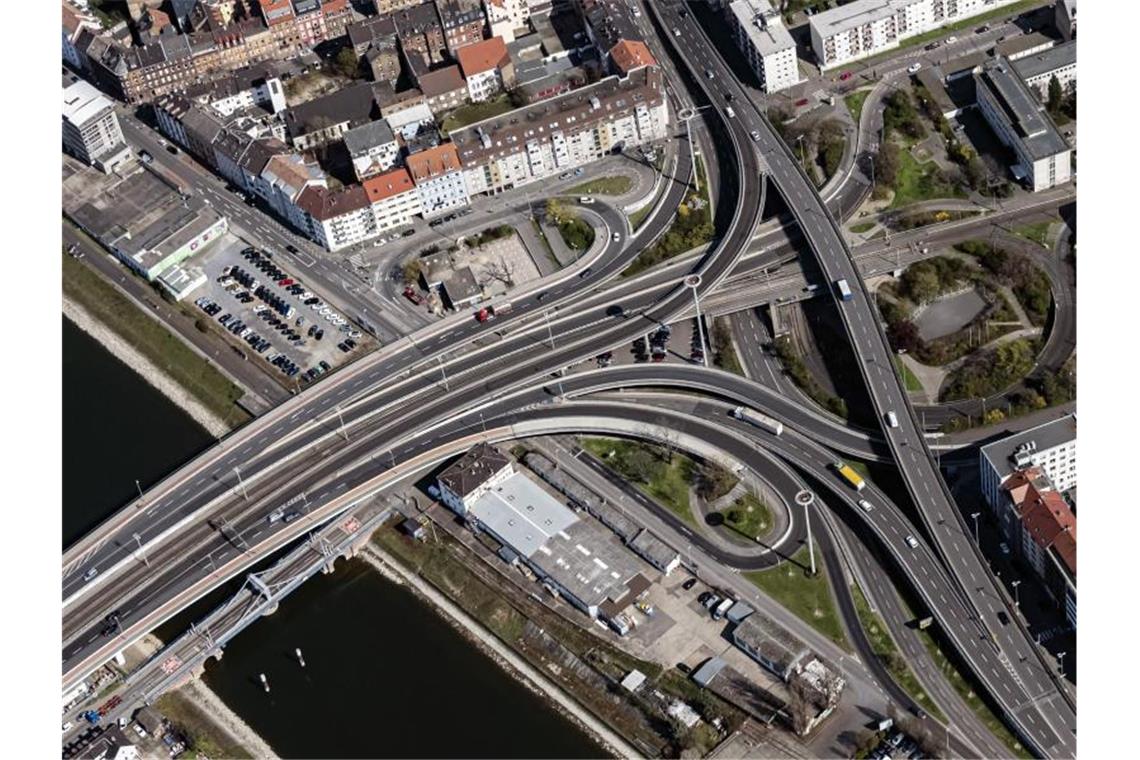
(482,56)
(628,55)
(433,161)
(1047,518)
(387,185)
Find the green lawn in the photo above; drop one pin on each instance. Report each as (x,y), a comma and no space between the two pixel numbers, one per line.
(473,112)
(909,378)
(966,691)
(669,486)
(809,598)
(153,340)
(919,182)
(887,652)
(689,229)
(204,735)
(855,102)
(1038,233)
(577,234)
(862,227)
(618,185)
(750,517)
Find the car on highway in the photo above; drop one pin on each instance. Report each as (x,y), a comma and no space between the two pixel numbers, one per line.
(290,517)
(616,236)
(585,200)
(585,273)
(676,32)
(912,542)
(754,135)
(541,296)
(1003,618)
(914,68)
(865,505)
(90,574)
(709,73)
(145,157)
(892,419)
(172,150)
(689,584)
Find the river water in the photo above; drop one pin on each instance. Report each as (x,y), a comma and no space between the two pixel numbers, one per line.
(385,675)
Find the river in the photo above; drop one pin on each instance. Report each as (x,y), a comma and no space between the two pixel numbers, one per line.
(385,675)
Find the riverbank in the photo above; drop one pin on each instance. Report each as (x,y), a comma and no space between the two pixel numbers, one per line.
(490,645)
(150,372)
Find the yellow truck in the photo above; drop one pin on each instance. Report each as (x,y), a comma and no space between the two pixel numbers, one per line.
(849,475)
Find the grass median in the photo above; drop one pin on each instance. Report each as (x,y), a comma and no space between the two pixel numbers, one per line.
(617,185)
(150,338)
(889,655)
(908,376)
(807,597)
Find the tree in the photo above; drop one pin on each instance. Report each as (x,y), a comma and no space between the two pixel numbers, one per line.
(903,335)
(1056,96)
(713,481)
(557,212)
(921,282)
(346,63)
(411,271)
(640,464)
(887,162)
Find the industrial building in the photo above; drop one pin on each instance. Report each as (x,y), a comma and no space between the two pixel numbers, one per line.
(766,43)
(1020,122)
(867,27)
(574,557)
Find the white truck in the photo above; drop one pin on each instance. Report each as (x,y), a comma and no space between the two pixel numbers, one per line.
(773,426)
(718,612)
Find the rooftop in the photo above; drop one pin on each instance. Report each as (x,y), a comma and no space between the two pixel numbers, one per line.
(359,140)
(611,22)
(522,514)
(352,104)
(758,633)
(1056,57)
(1051,524)
(579,109)
(441,81)
(1002,454)
(82,102)
(653,548)
(628,55)
(852,15)
(416,19)
(763,25)
(433,162)
(1022,42)
(482,56)
(473,469)
(388,185)
(1021,110)
(323,204)
(708,671)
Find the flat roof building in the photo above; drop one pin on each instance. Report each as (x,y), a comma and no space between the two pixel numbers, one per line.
(1051,446)
(655,551)
(867,27)
(91,129)
(1058,61)
(1023,45)
(767,45)
(1020,122)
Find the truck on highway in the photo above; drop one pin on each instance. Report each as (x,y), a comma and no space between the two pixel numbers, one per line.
(487,313)
(844,289)
(847,473)
(773,426)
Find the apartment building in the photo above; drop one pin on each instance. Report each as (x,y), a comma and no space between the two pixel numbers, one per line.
(338,218)
(1051,447)
(505,17)
(91,130)
(463,22)
(867,27)
(439,179)
(326,118)
(250,87)
(372,147)
(394,199)
(1020,122)
(75,20)
(1065,18)
(486,68)
(628,55)
(384,7)
(1039,69)
(767,45)
(443,89)
(549,137)
(421,35)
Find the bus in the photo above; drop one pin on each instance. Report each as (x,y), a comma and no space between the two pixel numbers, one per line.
(847,473)
(759,420)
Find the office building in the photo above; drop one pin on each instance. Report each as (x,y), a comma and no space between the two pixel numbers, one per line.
(1039,69)
(1020,122)
(766,43)
(868,27)
(91,129)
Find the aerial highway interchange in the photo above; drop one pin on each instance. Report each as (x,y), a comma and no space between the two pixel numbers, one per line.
(422,399)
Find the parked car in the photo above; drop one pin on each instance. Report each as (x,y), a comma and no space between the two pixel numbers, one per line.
(689,584)
(914,68)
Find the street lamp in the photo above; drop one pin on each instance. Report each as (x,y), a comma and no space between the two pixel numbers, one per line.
(1061,661)
(138,540)
(1016,596)
(237,471)
(976,515)
(693,282)
(805,499)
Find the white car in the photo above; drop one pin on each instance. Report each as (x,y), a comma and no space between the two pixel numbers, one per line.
(68,726)
(914,68)
(912,542)
(951,40)
(585,200)
(755,136)
(616,236)
(865,505)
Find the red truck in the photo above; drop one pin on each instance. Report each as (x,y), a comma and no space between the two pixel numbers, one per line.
(488,313)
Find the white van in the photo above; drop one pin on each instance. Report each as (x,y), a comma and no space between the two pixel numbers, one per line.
(865,505)
(729,112)
(892,419)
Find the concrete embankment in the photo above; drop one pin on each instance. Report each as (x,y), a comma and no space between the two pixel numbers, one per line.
(127,354)
(387,565)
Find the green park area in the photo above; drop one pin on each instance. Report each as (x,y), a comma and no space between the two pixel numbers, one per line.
(617,185)
(791,584)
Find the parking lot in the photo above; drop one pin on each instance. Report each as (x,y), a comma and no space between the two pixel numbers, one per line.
(678,342)
(272,316)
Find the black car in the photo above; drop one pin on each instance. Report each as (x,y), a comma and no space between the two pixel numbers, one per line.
(586,272)
(291,249)
(409,233)
(689,584)
(1003,618)
(704,597)
(325,365)
(541,296)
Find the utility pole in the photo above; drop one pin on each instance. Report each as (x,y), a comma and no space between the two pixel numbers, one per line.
(693,282)
(237,471)
(139,487)
(1016,596)
(549,331)
(800,141)
(976,515)
(1061,661)
(142,553)
(341,418)
(439,359)
(805,499)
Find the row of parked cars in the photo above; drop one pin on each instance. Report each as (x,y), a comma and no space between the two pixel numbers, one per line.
(896,745)
(449,218)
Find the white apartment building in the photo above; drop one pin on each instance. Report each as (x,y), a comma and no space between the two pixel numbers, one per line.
(1020,122)
(372,147)
(91,129)
(407,121)
(267,92)
(338,218)
(766,43)
(1038,70)
(546,138)
(394,199)
(1052,447)
(439,179)
(868,27)
(505,16)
